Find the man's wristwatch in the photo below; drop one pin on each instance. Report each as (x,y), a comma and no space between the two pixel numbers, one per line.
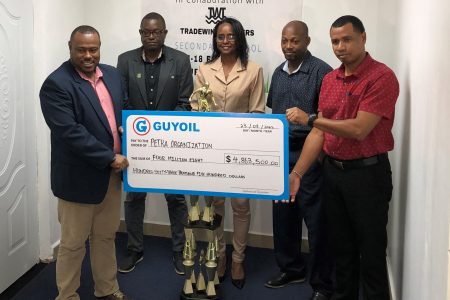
(311,119)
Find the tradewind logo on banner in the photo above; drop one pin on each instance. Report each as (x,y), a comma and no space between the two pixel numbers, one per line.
(215,14)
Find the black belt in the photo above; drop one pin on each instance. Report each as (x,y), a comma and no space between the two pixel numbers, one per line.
(357,163)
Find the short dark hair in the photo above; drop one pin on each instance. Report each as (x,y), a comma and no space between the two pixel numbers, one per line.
(357,24)
(298,24)
(241,41)
(84,29)
(154,16)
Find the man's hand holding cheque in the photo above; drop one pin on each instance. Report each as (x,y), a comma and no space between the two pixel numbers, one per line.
(119,163)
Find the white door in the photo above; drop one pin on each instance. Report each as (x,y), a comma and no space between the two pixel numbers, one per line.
(19,243)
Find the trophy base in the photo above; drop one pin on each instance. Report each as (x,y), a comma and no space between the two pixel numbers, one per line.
(206,225)
(198,296)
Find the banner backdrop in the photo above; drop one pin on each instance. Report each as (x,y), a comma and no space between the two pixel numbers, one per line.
(190,23)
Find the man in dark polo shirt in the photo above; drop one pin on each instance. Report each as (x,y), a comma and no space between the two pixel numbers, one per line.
(296,83)
(156,77)
(353,128)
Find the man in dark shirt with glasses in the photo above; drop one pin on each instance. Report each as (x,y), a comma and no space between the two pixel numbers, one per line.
(156,77)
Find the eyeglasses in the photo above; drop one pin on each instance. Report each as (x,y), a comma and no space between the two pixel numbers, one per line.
(156,33)
(228,37)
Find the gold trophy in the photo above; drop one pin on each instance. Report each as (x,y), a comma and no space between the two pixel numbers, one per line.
(204,98)
(195,288)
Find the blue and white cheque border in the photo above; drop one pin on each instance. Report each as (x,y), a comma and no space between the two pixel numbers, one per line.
(217,154)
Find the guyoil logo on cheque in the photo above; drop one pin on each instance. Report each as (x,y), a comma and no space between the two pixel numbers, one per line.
(142,126)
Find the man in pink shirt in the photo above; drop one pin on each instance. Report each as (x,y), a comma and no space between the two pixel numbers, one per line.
(82,103)
(353,128)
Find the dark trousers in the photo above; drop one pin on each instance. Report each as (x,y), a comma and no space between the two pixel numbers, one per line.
(134,218)
(287,230)
(357,204)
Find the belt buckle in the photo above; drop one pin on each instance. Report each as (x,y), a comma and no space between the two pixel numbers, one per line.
(339,164)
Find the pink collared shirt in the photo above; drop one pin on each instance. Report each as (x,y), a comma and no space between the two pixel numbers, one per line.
(107,105)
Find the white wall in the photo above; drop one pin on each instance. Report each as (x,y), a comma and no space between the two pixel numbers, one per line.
(409,36)
(54,20)
(420,222)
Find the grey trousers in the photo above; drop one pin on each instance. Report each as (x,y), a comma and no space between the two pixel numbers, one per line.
(134,218)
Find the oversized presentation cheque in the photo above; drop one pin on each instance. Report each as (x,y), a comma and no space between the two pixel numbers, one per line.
(217,154)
